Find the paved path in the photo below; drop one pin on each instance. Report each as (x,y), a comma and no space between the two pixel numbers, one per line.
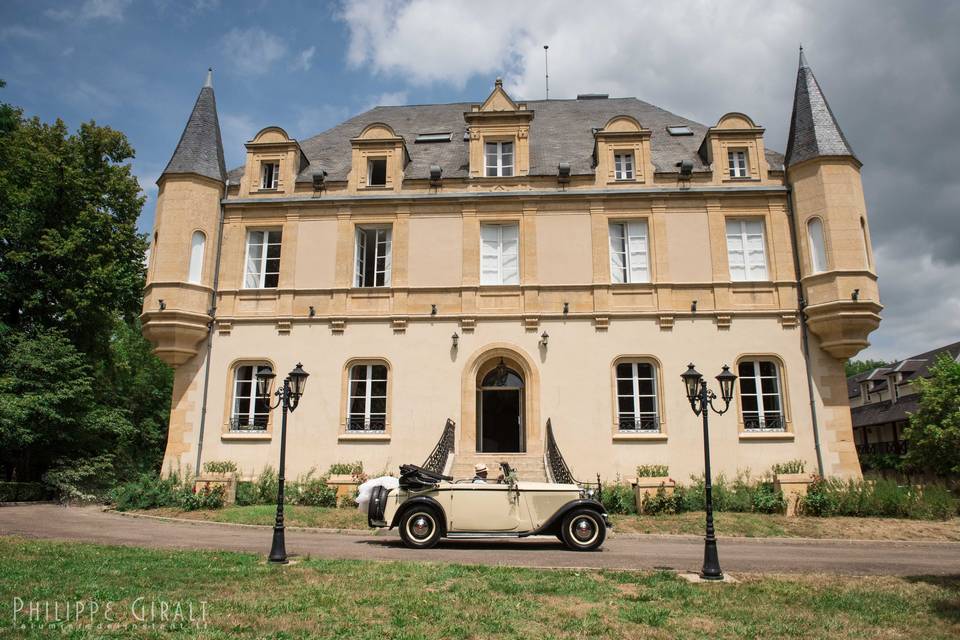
(683,553)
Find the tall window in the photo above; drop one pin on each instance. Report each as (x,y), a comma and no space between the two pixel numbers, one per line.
(367,404)
(499,159)
(374,257)
(818,252)
(263,260)
(761,400)
(623,166)
(250,411)
(499,254)
(737,160)
(629,257)
(197,243)
(269,175)
(377,172)
(746,250)
(637,397)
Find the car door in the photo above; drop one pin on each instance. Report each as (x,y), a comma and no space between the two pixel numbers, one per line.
(487,507)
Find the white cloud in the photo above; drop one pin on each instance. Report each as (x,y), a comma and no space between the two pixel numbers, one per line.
(386,99)
(111,10)
(315,119)
(236,129)
(20,32)
(252,51)
(305,59)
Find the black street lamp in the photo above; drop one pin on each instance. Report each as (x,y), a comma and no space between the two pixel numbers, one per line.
(288,397)
(701,401)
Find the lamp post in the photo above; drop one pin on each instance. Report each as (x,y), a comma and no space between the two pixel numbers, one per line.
(288,397)
(701,401)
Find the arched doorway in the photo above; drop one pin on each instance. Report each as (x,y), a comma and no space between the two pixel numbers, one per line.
(500,410)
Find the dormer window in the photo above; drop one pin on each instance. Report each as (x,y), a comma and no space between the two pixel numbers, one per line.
(737,161)
(269,175)
(623,166)
(499,159)
(377,172)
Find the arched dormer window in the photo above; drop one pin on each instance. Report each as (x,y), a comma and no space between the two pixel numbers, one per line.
(818,251)
(197,245)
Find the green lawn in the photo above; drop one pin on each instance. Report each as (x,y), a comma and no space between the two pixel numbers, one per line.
(354,599)
(755,525)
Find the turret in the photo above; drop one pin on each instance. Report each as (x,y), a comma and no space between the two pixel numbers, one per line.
(178,295)
(836,260)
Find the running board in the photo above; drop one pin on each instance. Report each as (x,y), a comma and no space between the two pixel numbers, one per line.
(485,534)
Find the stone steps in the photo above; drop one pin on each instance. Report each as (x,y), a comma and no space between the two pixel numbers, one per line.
(529,467)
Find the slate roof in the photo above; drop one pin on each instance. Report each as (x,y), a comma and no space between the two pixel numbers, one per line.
(200,149)
(814,131)
(885,412)
(561,131)
(911,368)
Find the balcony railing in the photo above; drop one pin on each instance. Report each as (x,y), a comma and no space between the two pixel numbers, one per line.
(360,424)
(246,423)
(897,448)
(643,424)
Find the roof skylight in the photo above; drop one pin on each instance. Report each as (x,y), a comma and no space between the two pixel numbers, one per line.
(433,137)
(680,130)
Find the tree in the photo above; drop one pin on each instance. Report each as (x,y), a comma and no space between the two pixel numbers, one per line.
(933,435)
(853,367)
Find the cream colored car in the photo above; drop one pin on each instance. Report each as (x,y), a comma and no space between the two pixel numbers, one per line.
(428,506)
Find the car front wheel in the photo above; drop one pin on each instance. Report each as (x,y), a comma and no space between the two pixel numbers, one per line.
(420,528)
(583,530)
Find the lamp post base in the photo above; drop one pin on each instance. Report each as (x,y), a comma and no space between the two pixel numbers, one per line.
(278,551)
(711,561)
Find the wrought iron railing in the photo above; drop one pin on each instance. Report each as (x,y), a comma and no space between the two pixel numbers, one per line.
(556,465)
(770,422)
(437,460)
(643,424)
(258,423)
(897,448)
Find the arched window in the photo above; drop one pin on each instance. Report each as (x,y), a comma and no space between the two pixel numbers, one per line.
(367,401)
(637,397)
(250,411)
(197,244)
(818,252)
(761,397)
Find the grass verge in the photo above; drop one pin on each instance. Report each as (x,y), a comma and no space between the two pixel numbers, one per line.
(753,525)
(246,598)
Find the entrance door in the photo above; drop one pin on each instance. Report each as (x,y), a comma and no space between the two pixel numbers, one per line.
(500,412)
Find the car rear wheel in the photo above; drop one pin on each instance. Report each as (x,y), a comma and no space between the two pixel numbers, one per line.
(420,527)
(583,530)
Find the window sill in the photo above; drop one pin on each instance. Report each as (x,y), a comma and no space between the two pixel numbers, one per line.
(249,436)
(364,437)
(739,179)
(776,436)
(371,292)
(639,437)
(376,187)
(262,190)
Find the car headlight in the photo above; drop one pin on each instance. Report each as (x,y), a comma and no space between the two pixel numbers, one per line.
(588,493)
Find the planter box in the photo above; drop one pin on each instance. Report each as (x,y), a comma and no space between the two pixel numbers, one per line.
(794,488)
(227,480)
(643,487)
(344,484)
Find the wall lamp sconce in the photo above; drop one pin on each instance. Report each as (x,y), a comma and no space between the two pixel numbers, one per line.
(455,338)
(693,306)
(544,339)
(855,295)
(433,309)
(313,311)
(163,305)
(566,308)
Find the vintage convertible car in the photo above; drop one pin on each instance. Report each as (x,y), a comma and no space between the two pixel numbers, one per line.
(428,506)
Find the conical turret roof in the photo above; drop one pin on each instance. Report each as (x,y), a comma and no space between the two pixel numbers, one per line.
(814,131)
(200,150)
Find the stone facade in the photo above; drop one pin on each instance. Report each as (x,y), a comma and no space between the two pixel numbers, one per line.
(561,329)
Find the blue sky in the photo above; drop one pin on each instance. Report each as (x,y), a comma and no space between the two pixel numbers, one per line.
(890,69)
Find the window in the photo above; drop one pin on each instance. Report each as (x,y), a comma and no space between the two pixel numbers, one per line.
(866,244)
(367,404)
(623,166)
(746,250)
(250,411)
(679,130)
(760,399)
(433,137)
(269,175)
(738,163)
(377,172)
(637,397)
(374,249)
(629,260)
(499,159)
(499,254)
(197,243)
(263,260)
(818,253)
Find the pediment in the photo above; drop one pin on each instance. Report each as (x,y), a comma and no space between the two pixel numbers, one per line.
(499,100)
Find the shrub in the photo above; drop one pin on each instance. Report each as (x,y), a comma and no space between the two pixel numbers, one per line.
(879,498)
(819,501)
(266,486)
(617,497)
(653,471)
(148,491)
(246,494)
(661,503)
(220,466)
(313,492)
(209,496)
(766,499)
(346,468)
(790,466)
(22,491)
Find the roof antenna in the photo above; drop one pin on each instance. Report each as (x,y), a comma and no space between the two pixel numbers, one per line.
(546,68)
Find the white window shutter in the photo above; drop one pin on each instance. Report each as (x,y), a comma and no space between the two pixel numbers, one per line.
(509,252)
(637,244)
(388,257)
(618,253)
(489,254)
